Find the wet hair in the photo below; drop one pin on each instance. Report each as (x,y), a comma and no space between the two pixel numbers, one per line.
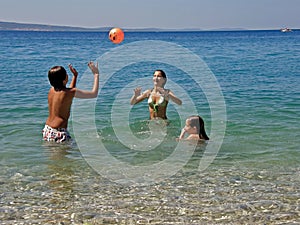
(56,76)
(198,122)
(163,74)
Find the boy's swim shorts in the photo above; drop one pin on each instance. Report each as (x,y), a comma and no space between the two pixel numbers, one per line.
(58,135)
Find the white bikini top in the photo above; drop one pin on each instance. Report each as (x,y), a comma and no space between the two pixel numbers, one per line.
(160,101)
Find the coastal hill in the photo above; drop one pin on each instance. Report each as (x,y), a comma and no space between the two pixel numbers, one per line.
(41,27)
(13,26)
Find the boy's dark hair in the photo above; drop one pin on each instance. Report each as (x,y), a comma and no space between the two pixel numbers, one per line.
(56,76)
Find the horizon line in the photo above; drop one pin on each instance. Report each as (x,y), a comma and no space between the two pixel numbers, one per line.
(142,28)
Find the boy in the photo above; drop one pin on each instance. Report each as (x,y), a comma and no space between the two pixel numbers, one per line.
(60,100)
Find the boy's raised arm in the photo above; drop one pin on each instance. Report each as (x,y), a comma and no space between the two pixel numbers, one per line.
(75,74)
(94,92)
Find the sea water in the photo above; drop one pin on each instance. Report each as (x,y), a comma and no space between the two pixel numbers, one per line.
(253,178)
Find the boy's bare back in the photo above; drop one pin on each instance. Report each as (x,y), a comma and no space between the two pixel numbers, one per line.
(59,104)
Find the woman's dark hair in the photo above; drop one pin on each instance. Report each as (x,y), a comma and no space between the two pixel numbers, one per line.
(198,122)
(56,76)
(163,74)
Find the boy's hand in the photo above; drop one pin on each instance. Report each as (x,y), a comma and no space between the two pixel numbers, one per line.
(93,68)
(73,70)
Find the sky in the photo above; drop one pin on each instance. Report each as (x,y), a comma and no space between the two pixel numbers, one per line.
(171,14)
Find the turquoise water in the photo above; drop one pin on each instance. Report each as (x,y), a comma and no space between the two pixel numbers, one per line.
(254,178)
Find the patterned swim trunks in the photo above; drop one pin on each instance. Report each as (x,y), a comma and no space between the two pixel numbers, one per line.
(58,135)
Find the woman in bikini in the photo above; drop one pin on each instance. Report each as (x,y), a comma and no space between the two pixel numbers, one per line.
(158,97)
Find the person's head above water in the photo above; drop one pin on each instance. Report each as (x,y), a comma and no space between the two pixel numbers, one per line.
(159,78)
(58,77)
(195,125)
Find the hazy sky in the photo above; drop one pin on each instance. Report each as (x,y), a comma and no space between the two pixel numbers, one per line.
(203,14)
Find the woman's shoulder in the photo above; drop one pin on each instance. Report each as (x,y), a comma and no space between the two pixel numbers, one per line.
(147,92)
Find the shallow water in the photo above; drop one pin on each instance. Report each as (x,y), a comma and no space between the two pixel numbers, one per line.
(254,179)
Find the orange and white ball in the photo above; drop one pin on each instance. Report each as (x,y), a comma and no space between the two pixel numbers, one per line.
(116,35)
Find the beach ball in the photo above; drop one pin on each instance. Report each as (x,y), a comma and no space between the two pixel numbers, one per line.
(116,35)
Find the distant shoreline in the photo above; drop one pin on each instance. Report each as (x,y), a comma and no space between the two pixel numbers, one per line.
(14,26)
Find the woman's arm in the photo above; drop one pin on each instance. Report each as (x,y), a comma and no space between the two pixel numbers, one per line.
(138,97)
(94,92)
(174,98)
(181,136)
